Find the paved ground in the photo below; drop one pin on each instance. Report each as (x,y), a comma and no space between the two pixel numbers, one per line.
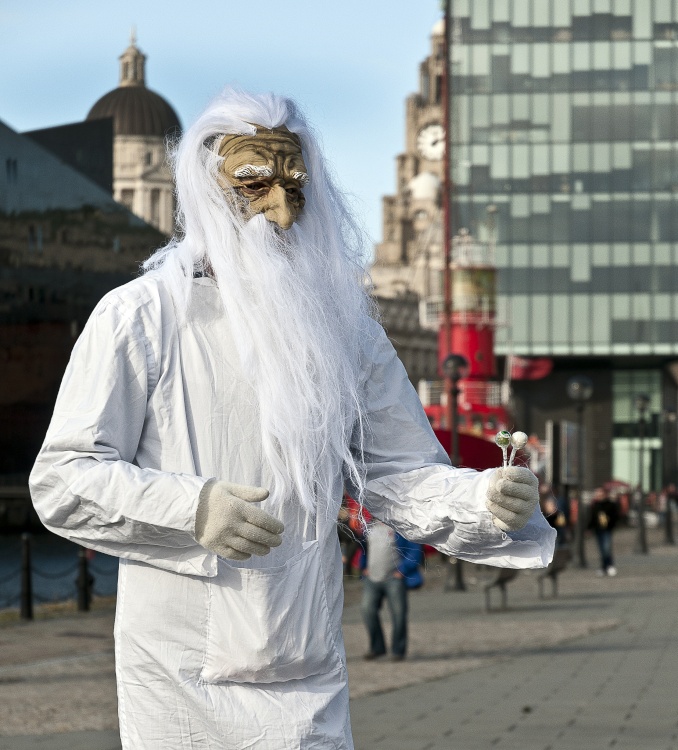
(595,668)
(615,688)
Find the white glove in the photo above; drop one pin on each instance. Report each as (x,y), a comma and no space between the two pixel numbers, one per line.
(512,496)
(227,523)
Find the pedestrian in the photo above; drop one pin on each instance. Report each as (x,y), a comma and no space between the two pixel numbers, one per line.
(392,566)
(554,507)
(603,519)
(210,415)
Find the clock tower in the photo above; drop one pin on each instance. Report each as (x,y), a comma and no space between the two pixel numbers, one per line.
(409,260)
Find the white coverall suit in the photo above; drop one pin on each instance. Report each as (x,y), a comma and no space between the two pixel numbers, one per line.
(215,654)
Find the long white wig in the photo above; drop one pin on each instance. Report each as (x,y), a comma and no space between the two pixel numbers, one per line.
(295,299)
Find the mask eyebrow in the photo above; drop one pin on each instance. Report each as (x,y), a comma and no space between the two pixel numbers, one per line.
(302,178)
(253,170)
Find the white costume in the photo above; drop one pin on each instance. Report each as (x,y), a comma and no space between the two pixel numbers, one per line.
(216,654)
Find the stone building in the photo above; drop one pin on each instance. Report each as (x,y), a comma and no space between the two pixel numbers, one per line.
(142,122)
(417,347)
(409,258)
(407,270)
(64,243)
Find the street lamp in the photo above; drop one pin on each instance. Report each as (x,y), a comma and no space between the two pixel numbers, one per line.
(580,390)
(455,367)
(670,417)
(642,402)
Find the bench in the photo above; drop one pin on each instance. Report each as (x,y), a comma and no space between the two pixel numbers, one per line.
(501,580)
(561,558)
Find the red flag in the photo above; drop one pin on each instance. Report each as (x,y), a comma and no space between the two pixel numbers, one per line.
(526,368)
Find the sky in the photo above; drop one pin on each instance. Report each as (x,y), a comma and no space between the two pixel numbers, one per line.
(350,65)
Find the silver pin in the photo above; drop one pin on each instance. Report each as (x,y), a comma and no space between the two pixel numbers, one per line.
(518,441)
(503,440)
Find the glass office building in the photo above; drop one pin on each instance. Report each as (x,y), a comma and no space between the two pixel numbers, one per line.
(565,124)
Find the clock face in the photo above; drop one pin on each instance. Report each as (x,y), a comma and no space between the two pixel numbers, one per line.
(431,142)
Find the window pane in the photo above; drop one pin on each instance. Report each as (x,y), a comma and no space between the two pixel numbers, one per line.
(520,321)
(560,321)
(621,221)
(500,109)
(581,317)
(641,221)
(561,118)
(500,162)
(500,10)
(541,61)
(600,329)
(540,319)
(480,14)
(642,20)
(481,111)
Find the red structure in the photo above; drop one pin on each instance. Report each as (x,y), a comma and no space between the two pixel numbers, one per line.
(471,334)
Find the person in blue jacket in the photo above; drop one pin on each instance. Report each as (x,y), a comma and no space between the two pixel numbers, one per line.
(391,567)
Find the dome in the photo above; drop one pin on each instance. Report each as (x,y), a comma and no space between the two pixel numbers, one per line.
(136,110)
(424,187)
(438,28)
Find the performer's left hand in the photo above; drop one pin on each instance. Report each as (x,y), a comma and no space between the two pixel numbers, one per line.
(512,496)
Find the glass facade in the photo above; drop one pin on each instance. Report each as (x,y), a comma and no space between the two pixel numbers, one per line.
(565,120)
(629,450)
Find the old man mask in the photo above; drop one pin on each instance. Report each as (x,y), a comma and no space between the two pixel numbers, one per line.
(267,171)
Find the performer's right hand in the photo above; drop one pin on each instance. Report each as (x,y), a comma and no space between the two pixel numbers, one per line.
(230,525)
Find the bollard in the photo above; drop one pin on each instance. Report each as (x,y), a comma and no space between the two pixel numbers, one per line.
(641,538)
(668,522)
(26,579)
(84,583)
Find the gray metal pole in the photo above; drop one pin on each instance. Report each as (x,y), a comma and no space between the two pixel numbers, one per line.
(641,542)
(26,609)
(668,519)
(668,522)
(581,509)
(84,596)
(459,584)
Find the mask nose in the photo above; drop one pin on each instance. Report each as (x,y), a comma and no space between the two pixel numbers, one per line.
(278,209)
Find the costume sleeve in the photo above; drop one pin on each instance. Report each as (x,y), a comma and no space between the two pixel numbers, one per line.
(85,484)
(412,487)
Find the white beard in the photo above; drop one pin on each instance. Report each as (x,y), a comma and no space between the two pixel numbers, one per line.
(300,316)
(295,298)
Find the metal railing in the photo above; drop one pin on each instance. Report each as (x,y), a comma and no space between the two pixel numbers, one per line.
(479,392)
(85,573)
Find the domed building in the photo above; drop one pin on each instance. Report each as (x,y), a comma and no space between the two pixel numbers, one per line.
(142,121)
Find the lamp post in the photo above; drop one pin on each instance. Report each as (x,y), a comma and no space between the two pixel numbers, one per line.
(455,367)
(642,402)
(670,417)
(580,390)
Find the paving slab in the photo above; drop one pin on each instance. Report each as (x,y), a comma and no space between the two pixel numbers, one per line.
(88,740)
(606,689)
(593,668)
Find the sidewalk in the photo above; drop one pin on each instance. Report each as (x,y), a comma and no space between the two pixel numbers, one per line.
(615,687)
(594,668)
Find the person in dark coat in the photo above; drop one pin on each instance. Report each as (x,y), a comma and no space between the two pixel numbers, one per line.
(603,519)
